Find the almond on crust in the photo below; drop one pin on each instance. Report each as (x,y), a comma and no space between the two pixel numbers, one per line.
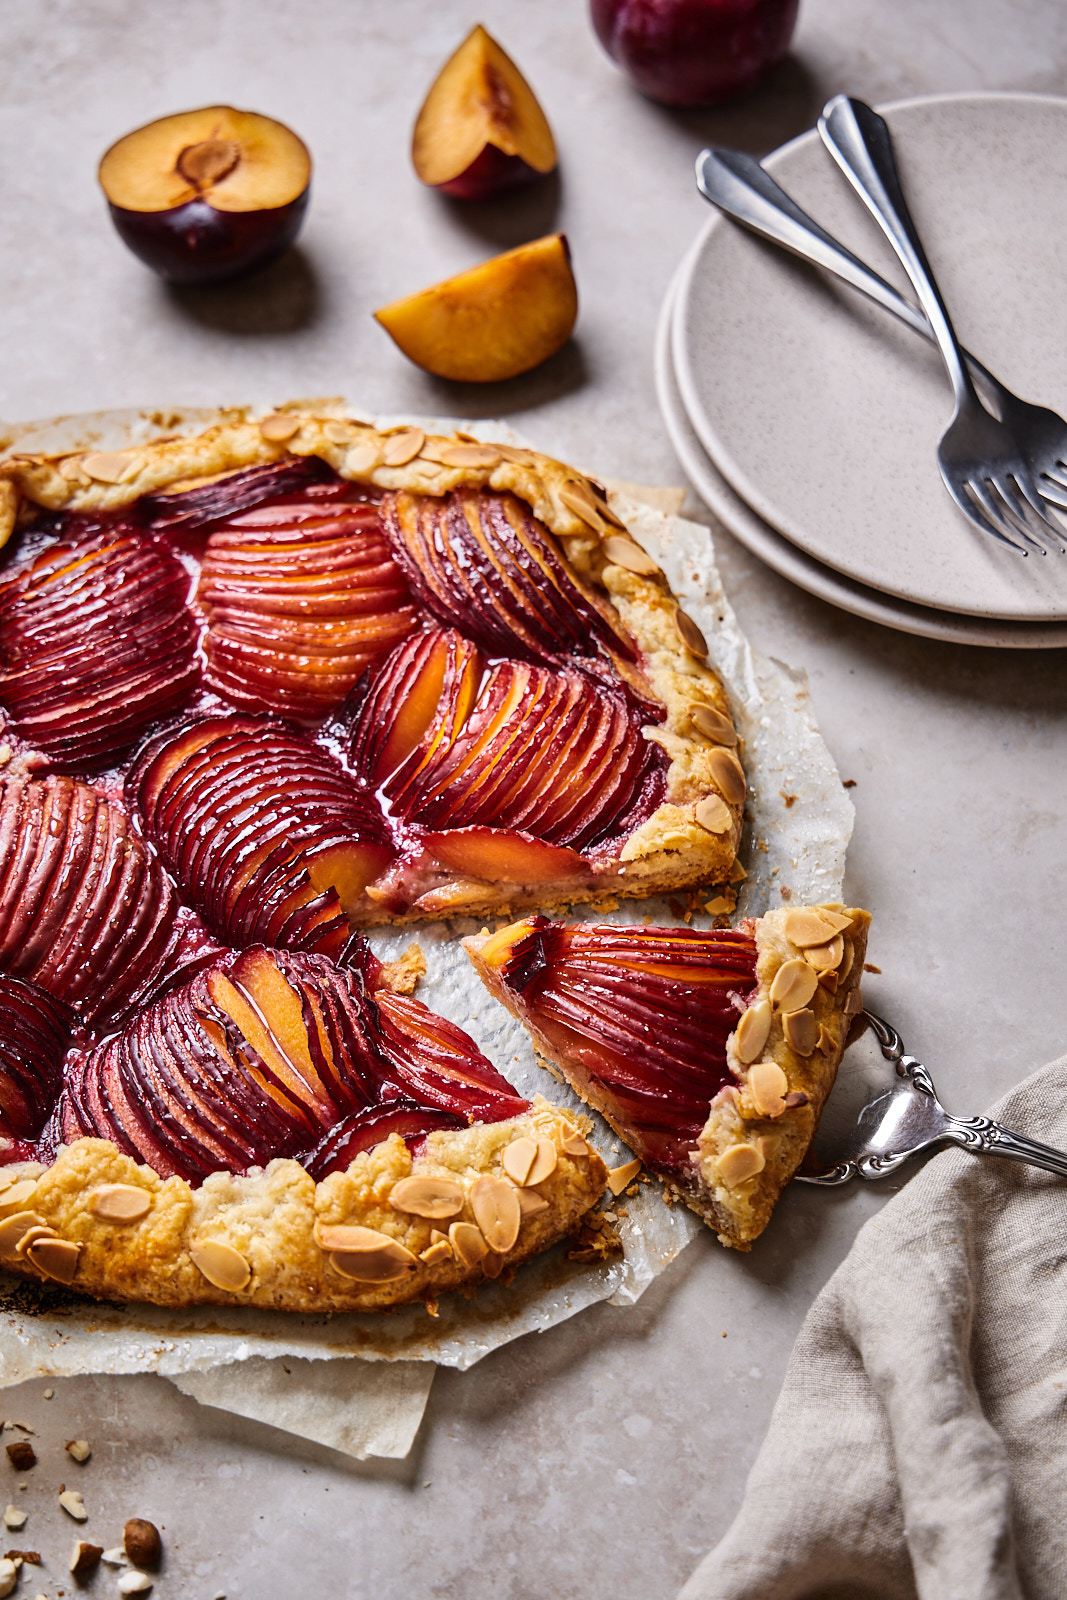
(693,835)
(754,1139)
(275,1224)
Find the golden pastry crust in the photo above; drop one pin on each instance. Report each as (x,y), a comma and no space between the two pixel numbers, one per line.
(275,1225)
(693,835)
(760,1127)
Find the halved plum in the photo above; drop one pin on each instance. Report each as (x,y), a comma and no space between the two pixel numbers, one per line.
(86,911)
(35,1030)
(96,643)
(482,562)
(267,835)
(300,597)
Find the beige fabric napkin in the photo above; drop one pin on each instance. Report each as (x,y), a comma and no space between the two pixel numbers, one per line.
(919,1445)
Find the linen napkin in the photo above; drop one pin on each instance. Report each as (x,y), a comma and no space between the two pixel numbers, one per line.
(919,1445)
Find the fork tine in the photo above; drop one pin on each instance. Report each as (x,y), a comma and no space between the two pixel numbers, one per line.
(1032,495)
(1053,491)
(1007,487)
(984,512)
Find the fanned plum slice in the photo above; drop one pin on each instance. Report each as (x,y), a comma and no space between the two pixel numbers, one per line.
(269,1053)
(266,834)
(35,1030)
(364,1129)
(482,562)
(434,1062)
(556,755)
(86,912)
(228,496)
(300,597)
(637,1018)
(96,643)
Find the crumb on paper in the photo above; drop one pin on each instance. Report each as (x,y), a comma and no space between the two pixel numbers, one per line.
(404,975)
(869,966)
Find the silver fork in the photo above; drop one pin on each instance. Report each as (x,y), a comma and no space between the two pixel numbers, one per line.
(873,1123)
(739,186)
(983,460)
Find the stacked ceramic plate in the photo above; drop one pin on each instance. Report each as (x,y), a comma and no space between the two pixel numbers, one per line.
(808,419)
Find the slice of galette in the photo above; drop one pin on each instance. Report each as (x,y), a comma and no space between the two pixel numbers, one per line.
(277,1132)
(382,674)
(711,1054)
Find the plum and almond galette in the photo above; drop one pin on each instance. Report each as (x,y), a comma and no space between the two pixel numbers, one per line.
(261,688)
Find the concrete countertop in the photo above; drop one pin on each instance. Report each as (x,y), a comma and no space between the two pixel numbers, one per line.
(605,1457)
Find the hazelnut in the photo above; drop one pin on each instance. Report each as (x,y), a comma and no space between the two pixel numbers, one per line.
(84,1559)
(22,1455)
(142,1542)
(80,1449)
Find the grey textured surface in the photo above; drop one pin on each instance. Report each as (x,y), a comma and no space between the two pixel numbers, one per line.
(604,1457)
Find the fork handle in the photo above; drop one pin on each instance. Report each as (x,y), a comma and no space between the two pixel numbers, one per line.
(739,186)
(983,1136)
(859,141)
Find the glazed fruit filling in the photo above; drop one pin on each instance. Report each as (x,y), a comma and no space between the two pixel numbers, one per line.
(239,720)
(267,1053)
(640,1015)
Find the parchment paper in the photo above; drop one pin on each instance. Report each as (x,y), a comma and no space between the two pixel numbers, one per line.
(228,1357)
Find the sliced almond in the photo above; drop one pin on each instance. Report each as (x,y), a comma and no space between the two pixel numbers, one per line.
(853,1003)
(578,497)
(517,1159)
(847,959)
(279,427)
(806,927)
(404,446)
(530,1202)
(740,1162)
(794,984)
(544,1163)
(510,452)
(72,469)
(108,466)
(620,1177)
(464,455)
(767,1084)
(728,773)
(714,814)
(467,1243)
(825,1042)
(492,1264)
(573,1144)
(43,1231)
(337,432)
(826,957)
(720,906)
(221,1265)
(801,1031)
(428,1197)
(13,1230)
(441,1251)
(362,458)
(495,1203)
(690,634)
(119,1202)
(712,724)
(629,555)
(752,1031)
(384,1264)
(17,1196)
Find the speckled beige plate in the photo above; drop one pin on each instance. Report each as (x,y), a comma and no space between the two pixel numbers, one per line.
(791,562)
(823,413)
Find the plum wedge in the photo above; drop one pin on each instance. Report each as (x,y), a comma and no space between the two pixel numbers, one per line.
(96,644)
(711,1054)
